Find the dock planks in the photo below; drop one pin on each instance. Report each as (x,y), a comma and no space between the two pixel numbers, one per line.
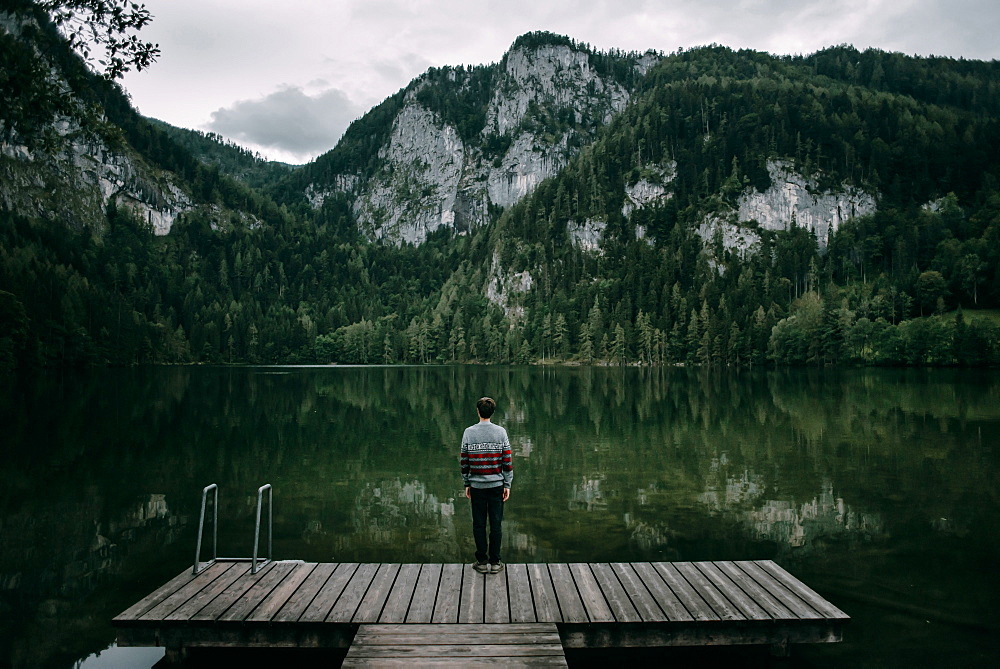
(591,605)
(509,645)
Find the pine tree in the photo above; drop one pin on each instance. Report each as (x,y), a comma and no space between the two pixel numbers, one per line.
(694,337)
(586,343)
(619,346)
(388,353)
(560,337)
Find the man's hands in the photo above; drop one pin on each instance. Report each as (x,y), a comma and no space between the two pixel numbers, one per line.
(506,493)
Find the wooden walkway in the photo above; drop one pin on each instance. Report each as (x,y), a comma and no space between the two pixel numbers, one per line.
(442,645)
(300,604)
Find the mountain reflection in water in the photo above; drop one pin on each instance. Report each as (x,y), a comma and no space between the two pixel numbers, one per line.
(877,487)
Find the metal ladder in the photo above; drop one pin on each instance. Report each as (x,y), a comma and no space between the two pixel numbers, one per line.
(199,565)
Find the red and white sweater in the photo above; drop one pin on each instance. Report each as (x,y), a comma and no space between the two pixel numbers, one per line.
(486,461)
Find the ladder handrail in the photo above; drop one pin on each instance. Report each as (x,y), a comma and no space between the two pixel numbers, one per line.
(215,529)
(201,527)
(270,526)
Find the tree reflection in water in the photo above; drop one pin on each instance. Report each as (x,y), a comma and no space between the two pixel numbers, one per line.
(849,478)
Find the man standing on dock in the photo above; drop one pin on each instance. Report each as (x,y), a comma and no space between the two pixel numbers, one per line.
(487,470)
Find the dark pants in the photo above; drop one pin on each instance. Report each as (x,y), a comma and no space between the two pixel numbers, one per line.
(487,503)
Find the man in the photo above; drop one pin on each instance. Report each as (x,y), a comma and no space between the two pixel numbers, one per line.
(487,471)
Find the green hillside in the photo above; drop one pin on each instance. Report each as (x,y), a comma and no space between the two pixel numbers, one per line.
(246,279)
(229,157)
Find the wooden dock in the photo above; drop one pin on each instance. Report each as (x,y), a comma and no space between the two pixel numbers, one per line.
(445,644)
(424,610)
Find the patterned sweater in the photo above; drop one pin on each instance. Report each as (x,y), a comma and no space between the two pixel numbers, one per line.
(486,461)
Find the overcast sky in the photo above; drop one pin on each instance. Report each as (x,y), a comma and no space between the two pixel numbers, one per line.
(286,78)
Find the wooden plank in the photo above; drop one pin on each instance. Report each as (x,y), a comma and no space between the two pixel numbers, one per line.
(693,602)
(237,635)
(407,638)
(458,645)
(590,594)
(246,604)
(747,607)
(155,597)
(221,604)
(180,595)
(570,605)
(424,594)
(207,594)
(321,607)
(766,600)
(543,594)
(472,652)
(618,600)
(496,605)
(353,592)
(472,601)
(398,601)
(307,592)
(716,600)
(801,610)
(378,592)
(644,602)
(271,604)
(469,639)
(185,593)
(537,637)
(715,633)
(665,598)
(519,592)
(446,605)
(459,629)
(606,605)
(804,592)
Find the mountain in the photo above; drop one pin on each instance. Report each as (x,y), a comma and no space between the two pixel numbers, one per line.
(707,206)
(231,158)
(460,142)
(720,150)
(55,169)
(72,145)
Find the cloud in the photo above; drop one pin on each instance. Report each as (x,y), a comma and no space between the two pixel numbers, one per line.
(288,122)
(214,55)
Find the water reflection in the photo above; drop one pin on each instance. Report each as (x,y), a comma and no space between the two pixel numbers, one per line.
(825,471)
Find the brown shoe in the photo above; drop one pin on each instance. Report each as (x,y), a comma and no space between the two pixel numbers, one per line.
(497,567)
(481,567)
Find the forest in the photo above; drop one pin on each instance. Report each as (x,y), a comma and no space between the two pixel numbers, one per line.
(915,283)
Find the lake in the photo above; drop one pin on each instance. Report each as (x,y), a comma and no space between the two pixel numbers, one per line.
(878,488)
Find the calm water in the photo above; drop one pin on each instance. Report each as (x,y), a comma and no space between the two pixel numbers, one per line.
(879,488)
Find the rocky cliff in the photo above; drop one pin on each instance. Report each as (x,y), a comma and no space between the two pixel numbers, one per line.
(79,162)
(545,101)
(791,200)
(75,181)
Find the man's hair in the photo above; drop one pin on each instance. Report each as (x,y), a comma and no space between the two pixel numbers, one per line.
(486,406)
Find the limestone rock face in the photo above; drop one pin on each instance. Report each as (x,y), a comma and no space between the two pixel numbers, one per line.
(417,196)
(586,235)
(77,174)
(545,102)
(793,197)
(525,165)
(503,285)
(652,189)
(557,75)
(557,78)
(76,182)
(743,240)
